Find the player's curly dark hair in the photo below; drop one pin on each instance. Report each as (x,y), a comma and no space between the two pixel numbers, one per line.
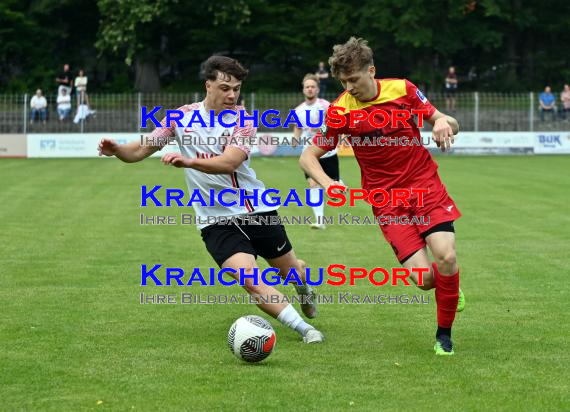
(222,64)
(351,56)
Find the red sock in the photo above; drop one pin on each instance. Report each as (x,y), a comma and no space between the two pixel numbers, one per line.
(446,297)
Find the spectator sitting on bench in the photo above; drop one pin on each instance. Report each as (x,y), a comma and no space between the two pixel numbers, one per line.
(547,103)
(39,107)
(63,104)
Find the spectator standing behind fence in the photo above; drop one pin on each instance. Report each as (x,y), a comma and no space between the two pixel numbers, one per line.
(65,80)
(83,110)
(547,103)
(565,100)
(81,89)
(323,75)
(451,84)
(63,104)
(39,107)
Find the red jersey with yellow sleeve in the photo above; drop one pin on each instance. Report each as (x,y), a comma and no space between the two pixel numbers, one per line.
(393,166)
(389,165)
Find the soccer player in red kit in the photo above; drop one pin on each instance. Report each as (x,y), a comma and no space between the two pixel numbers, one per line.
(389,164)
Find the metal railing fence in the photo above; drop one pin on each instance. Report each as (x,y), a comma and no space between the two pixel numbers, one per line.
(120,113)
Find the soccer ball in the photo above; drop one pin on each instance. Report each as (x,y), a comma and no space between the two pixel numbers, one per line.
(251,338)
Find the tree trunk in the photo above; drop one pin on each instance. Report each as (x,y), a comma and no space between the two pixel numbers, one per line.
(512,44)
(512,58)
(435,84)
(531,59)
(147,79)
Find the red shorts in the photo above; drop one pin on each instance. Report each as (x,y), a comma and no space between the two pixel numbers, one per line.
(406,239)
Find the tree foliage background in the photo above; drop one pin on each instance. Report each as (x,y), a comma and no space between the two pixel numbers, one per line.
(151,45)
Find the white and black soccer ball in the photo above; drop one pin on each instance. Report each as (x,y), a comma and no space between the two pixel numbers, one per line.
(251,338)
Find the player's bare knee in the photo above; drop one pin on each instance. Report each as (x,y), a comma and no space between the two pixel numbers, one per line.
(446,261)
(249,283)
(253,289)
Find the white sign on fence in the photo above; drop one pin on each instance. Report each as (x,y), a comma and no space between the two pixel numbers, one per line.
(85,145)
(488,140)
(79,145)
(552,142)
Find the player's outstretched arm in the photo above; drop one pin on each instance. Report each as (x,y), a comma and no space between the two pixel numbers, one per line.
(129,153)
(309,162)
(444,129)
(226,163)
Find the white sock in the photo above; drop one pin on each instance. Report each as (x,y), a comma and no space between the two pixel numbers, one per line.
(291,318)
(319,211)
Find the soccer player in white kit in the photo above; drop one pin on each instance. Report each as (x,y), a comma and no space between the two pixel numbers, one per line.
(315,109)
(215,166)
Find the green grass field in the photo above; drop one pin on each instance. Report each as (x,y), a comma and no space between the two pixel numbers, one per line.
(74,336)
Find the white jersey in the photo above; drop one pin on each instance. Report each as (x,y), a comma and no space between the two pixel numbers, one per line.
(320,105)
(194,143)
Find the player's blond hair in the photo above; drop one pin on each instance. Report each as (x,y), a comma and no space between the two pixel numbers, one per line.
(310,76)
(354,55)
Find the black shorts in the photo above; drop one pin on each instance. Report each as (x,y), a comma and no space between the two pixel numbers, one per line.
(224,240)
(330,166)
